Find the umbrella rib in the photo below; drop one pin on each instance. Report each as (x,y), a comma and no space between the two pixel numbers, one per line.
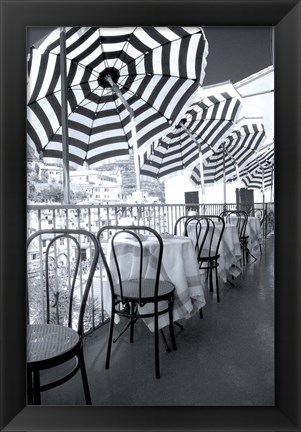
(146,102)
(141,57)
(102,50)
(126,43)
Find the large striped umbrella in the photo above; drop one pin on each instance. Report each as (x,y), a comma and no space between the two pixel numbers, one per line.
(124,88)
(259,173)
(233,154)
(205,125)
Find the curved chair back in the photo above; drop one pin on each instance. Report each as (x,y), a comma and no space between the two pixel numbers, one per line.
(112,237)
(197,227)
(216,226)
(243,220)
(236,216)
(260,213)
(66,273)
(181,224)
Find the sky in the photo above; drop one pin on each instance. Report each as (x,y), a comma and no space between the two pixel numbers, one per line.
(237,52)
(234,52)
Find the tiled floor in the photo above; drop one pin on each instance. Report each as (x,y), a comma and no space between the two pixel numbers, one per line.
(225,359)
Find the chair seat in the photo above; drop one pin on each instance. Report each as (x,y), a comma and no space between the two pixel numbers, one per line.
(208,258)
(47,341)
(130,289)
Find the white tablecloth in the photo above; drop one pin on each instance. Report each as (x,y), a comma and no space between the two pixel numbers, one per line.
(254,232)
(179,266)
(229,249)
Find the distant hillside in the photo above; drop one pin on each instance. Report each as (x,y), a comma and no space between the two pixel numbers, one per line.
(127,169)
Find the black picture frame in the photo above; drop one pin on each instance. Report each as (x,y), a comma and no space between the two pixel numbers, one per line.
(284,16)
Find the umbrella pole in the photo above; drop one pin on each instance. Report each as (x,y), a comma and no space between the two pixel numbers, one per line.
(201,170)
(200,155)
(66,182)
(133,127)
(224,177)
(272,181)
(237,175)
(263,186)
(135,150)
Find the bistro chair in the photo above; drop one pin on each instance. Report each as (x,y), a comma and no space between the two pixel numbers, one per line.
(243,237)
(208,248)
(131,292)
(260,213)
(239,217)
(181,225)
(191,222)
(56,317)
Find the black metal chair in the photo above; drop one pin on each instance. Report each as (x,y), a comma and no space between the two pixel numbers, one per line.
(130,295)
(209,231)
(260,213)
(239,217)
(242,225)
(181,228)
(181,224)
(66,275)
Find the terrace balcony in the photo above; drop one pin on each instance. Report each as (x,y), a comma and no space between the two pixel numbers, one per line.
(161,217)
(226,359)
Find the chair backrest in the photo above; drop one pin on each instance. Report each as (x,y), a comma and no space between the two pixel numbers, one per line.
(259,213)
(239,217)
(226,214)
(196,227)
(115,239)
(216,230)
(181,224)
(243,218)
(61,266)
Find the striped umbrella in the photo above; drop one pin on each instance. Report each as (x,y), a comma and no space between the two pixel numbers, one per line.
(205,125)
(124,88)
(258,174)
(234,153)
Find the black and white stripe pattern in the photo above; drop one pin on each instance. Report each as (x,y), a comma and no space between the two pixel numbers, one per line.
(259,173)
(209,119)
(238,148)
(157,69)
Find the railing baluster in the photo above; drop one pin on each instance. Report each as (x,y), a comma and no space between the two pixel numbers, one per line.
(162,217)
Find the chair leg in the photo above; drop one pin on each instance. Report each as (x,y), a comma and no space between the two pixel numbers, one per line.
(179,325)
(171,329)
(132,323)
(201,313)
(210,278)
(84,378)
(217,286)
(243,251)
(110,340)
(157,365)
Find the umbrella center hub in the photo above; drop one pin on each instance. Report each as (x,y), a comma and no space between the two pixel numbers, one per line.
(102,77)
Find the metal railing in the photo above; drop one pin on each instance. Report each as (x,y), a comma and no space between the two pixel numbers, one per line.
(161,217)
